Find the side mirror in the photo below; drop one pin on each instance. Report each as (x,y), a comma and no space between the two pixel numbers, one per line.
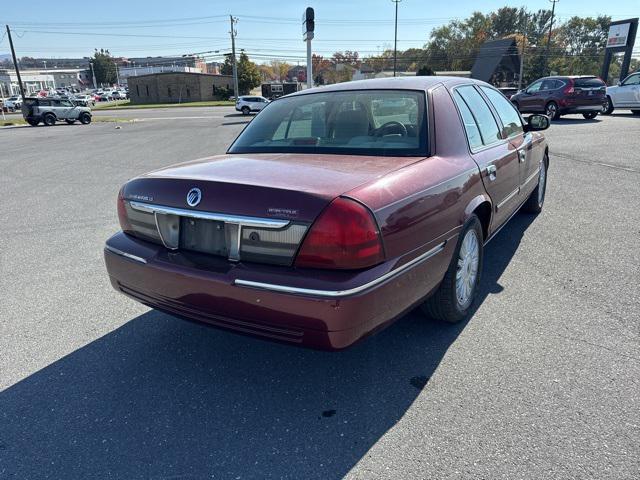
(537,122)
(618,83)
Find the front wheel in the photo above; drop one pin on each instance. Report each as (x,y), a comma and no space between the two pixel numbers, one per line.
(454,297)
(535,202)
(590,115)
(85,119)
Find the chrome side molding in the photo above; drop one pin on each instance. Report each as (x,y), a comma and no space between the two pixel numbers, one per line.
(342,293)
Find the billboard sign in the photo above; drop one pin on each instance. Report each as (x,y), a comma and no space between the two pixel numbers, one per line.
(618,35)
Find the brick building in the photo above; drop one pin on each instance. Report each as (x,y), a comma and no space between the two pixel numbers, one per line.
(178,87)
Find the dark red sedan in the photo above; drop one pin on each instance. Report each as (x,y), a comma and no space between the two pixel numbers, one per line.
(335,211)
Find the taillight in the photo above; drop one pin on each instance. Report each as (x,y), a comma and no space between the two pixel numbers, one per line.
(345,236)
(122,212)
(569,88)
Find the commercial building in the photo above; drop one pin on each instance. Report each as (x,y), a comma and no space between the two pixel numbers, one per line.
(178,87)
(135,71)
(32,81)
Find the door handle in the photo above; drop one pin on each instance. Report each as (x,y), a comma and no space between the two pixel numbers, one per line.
(522,155)
(491,171)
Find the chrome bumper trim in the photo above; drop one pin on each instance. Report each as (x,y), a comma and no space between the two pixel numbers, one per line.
(342,293)
(124,254)
(254,222)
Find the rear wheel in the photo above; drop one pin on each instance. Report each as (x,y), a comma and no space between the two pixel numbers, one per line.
(552,111)
(535,201)
(245,110)
(49,119)
(590,115)
(454,297)
(635,112)
(607,108)
(85,119)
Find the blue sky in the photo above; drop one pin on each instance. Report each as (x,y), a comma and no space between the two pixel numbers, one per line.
(266,29)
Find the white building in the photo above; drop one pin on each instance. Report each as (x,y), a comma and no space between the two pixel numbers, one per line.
(126,72)
(33,82)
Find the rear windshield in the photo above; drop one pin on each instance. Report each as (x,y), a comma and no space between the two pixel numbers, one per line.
(588,83)
(364,122)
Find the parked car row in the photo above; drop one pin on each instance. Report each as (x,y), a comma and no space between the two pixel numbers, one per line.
(586,94)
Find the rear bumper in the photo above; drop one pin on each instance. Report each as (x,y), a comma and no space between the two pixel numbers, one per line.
(324,310)
(594,105)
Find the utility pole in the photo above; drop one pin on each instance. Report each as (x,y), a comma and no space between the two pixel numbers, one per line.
(15,63)
(233,56)
(553,11)
(524,46)
(395,39)
(308,27)
(93,75)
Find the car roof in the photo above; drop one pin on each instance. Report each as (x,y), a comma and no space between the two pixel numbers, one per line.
(393,83)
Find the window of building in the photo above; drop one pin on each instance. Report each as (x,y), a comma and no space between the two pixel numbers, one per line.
(138,90)
(169,91)
(147,90)
(188,92)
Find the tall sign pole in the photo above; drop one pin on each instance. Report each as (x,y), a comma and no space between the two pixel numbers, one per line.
(308,27)
(15,63)
(233,57)
(395,39)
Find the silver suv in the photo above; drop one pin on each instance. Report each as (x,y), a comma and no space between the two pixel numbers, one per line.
(51,110)
(247,104)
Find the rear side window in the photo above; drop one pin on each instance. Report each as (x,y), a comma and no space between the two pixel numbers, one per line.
(482,113)
(470,125)
(588,83)
(511,122)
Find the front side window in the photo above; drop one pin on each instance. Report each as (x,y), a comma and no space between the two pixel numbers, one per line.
(632,80)
(534,87)
(511,121)
(366,122)
(482,113)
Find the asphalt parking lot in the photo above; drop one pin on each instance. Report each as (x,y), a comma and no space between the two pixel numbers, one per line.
(541,383)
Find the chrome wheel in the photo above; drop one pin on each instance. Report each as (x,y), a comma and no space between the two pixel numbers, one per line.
(467,271)
(605,106)
(542,180)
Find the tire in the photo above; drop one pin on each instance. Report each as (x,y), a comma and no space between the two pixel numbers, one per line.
(445,304)
(49,119)
(85,119)
(607,108)
(33,122)
(70,121)
(590,115)
(552,111)
(535,202)
(635,112)
(245,110)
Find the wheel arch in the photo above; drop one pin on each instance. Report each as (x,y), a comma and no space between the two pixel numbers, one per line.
(480,206)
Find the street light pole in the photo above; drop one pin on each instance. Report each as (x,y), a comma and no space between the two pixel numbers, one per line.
(395,39)
(15,63)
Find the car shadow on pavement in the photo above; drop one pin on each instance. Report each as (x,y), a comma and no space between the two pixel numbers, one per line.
(163,398)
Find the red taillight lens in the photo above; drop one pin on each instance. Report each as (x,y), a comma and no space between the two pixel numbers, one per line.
(568,90)
(345,236)
(122,212)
